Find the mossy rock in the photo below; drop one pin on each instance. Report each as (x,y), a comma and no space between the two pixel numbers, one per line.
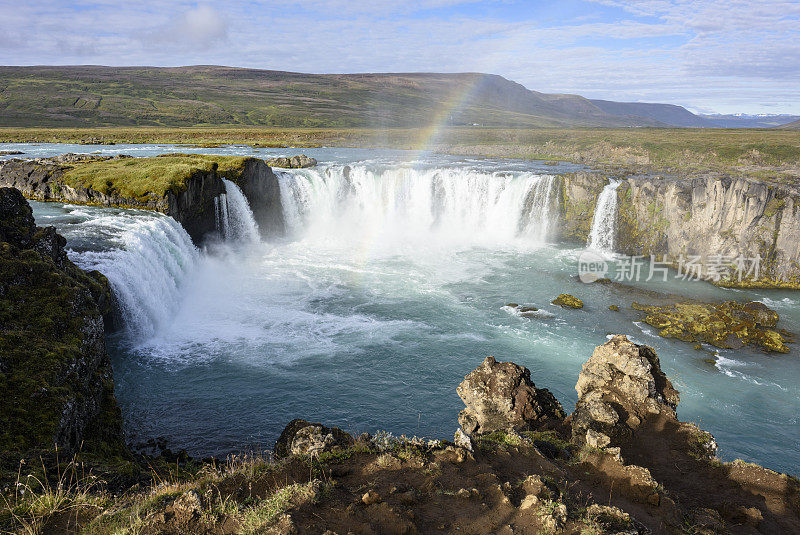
(55,376)
(151,177)
(568,301)
(727,325)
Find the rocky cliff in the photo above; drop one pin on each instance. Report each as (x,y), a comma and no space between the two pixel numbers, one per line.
(713,217)
(188,198)
(724,222)
(260,185)
(579,195)
(56,382)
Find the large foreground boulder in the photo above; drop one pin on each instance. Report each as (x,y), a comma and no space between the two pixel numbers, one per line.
(300,437)
(500,396)
(618,388)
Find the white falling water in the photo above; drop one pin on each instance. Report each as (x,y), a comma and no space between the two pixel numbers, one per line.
(603,233)
(402,204)
(151,257)
(235,220)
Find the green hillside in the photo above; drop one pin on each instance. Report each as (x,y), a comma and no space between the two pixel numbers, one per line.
(90,96)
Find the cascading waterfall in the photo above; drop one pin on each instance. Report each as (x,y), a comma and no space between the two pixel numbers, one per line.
(450,204)
(234,218)
(603,233)
(154,255)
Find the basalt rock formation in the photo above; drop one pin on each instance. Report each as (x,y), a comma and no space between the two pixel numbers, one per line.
(579,199)
(56,385)
(500,396)
(190,202)
(722,224)
(724,221)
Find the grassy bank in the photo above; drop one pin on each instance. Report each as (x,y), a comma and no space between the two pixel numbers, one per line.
(760,153)
(140,178)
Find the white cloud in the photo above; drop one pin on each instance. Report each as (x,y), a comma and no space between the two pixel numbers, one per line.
(704,53)
(199,28)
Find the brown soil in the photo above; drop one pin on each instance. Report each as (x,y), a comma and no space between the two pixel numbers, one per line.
(417,489)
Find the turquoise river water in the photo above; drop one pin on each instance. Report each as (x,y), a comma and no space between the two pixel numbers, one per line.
(389,287)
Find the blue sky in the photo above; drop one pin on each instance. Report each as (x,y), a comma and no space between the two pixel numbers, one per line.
(723,56)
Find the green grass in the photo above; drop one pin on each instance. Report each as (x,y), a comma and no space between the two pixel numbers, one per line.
(188,96)
(142,178)
(263,513)
(662,149)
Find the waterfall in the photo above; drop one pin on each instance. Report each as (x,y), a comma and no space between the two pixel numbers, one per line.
(446,204)
(603,234)
(147,259)
(235,220)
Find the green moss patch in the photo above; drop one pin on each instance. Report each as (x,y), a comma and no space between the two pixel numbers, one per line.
(148,178)
(568,301)
(728,325)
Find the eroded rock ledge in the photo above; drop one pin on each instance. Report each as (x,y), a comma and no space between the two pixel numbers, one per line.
(183,186)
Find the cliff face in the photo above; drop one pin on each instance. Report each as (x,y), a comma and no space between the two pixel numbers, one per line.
(260,185)
(192,205)
(711,216)
(579,198)
(724,221)
(55,376)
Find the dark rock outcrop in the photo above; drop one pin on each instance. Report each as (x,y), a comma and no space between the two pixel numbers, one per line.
(500,396)
(260,185)
(619,387)
(300,437)
(55,376)
(192,206)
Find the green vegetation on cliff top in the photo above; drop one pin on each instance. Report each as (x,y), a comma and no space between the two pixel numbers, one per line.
(142,178)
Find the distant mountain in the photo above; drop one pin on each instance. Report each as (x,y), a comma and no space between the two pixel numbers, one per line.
(793,125)
(669,114)
(741,120)
(212,95)
(227,96)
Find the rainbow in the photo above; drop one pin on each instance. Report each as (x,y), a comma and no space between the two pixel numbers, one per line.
(423,146)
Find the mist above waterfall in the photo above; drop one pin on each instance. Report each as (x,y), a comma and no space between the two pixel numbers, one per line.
(448,207)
